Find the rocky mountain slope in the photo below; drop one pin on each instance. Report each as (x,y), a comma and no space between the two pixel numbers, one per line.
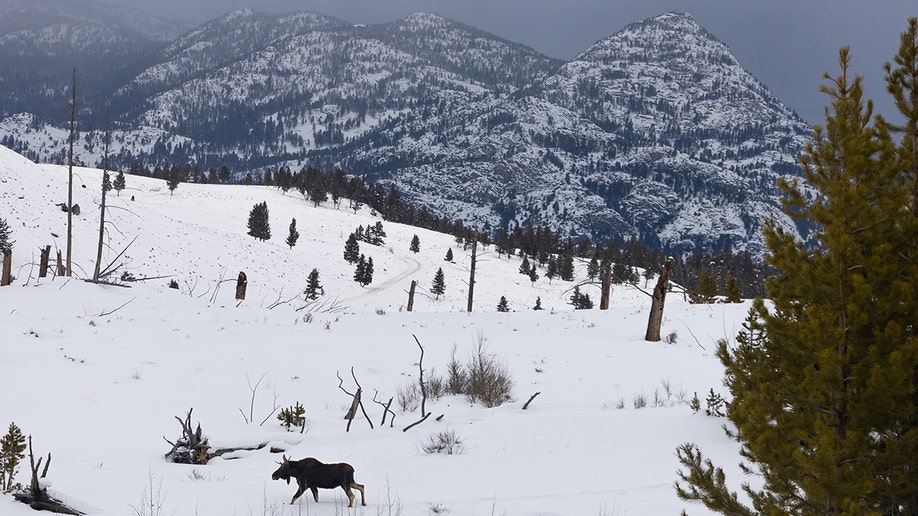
(655,132)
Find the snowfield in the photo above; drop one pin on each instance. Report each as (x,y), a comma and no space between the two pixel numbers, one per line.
(97,374)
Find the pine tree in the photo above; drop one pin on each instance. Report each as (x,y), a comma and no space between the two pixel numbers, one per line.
(360,272)
(313,287)
(6,245)
(439,283)
(449,254)
(259,226)
(174,179)
(351,249)
(119,183)
(503,305)
(732,290)
(533,274)
(12,451)
(552,269)
(106,182)
(538,305)
(415,246)
(293,235)
(581,301)
(524,267)
(566,267)
(705,290)
(368,272)
(808,373)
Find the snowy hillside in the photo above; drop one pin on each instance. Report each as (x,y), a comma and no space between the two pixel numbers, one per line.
(95,374)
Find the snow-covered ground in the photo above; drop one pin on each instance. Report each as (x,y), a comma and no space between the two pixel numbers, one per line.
(96,374)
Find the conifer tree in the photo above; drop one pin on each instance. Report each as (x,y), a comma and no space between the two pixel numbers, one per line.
(174,179)
(6,244)
(12,451)
(503,305)
(524,267)
(581,301)
(360,272)
(415,246)
(106,181)
(368,272)
(438,287)
(119,183)
(293,235)
(259,226)
(593,269)
(705,290)
(352,249)
(533,274)
(552,269)
(538,304)
(313,287)
(809,373)
(732,290)
(566,267)
(449,254)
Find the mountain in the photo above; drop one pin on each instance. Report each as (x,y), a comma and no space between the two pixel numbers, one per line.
(655,133)
(41,41)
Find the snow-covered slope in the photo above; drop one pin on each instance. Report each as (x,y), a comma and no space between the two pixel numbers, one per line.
(95,374)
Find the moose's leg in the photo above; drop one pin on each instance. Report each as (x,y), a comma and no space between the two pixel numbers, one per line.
(350,495)
(315,493)
(299,491)
(359,487)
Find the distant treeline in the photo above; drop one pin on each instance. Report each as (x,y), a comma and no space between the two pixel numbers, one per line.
(536,242)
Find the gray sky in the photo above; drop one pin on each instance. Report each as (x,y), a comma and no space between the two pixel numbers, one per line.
(787,44)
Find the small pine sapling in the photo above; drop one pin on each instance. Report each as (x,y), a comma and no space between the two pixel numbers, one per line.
(6,245)
(503,305)
(415,246)
(12,451)
(715,404)
(538,304)
(293,417)
(293,235)
(449,255)
(695,404)
(439,283)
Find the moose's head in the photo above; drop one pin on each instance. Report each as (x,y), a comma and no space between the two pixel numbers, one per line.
(283,471)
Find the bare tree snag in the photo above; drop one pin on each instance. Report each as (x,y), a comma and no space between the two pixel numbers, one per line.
(606,286)
(386,409)
(241,283)
(355,402)
(472,272)
(423,386)
(411,295)
(6,276)
(656,306)
(36,496)
(98,269)
(69,269)
(526,405)
(45,259)
(60,264)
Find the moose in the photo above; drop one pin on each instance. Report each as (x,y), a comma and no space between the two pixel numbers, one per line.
(312,474)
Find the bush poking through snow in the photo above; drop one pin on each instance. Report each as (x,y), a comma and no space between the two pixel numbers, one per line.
(446,442)
(293,417)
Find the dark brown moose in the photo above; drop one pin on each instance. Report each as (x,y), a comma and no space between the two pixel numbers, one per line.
(312,474)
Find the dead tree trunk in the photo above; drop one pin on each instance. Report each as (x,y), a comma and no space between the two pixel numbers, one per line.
(355,402)
(656,307)
(98,269)
(45,258)
(411,295)
(606,286)
(191,447)
(472,272)
(69,269)
(241,283)
(60,264)
(7,268)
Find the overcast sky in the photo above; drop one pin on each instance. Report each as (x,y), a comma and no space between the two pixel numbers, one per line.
(787,44)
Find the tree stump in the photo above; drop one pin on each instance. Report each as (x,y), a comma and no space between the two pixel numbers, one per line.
(45,259)
(656,307)
(7,268)
(606,286)
(241,283)
(411,295)
(60,264)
